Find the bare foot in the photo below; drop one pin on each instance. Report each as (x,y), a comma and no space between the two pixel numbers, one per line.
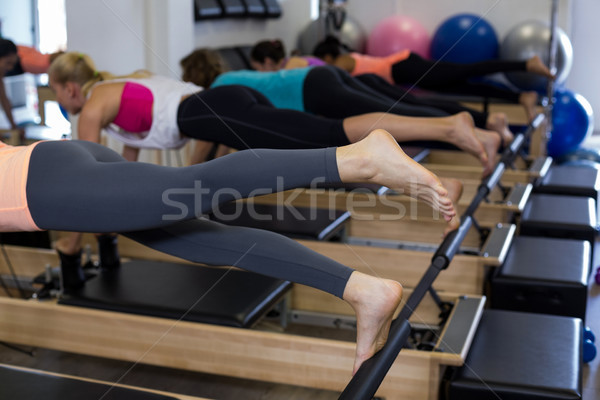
(529,100)
(536,66)
(454,188)
(498,122)
(374,301)
(491,143)
(464,137)
(379,159)
(453,224)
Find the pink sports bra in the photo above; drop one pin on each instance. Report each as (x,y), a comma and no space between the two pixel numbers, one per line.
(135,110)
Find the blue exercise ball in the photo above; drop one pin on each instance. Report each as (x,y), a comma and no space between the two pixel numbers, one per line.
(531,38)
(572,122)
(589,351)
(464,38)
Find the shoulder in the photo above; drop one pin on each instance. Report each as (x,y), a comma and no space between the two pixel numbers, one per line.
(106,88)
(296,62)
(347,61)
(102,97)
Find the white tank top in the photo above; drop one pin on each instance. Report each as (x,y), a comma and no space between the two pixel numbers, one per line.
(164,132)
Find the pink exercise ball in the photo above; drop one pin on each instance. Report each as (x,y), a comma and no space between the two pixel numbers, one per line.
(396,33)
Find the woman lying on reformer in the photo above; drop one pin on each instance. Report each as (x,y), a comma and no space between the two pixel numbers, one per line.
(86,187)
(409,68)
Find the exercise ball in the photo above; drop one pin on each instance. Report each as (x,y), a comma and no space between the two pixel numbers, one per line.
(572,122)
(464,38)
(531,38)
(397,33)
(349,33)
(589,351)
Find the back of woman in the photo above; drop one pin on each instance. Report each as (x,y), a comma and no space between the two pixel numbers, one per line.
(283,88)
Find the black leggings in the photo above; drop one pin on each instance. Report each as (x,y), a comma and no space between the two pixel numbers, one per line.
(242,118)
(455,77)
(332,92)
(86,187)
(397,93)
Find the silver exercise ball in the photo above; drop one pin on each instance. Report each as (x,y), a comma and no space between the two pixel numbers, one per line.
(349,33)
(531,38)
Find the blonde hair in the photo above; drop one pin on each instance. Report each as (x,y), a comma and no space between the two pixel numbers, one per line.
(202,66)
(79,68)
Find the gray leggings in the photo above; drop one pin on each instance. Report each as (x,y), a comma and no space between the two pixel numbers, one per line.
(85,187)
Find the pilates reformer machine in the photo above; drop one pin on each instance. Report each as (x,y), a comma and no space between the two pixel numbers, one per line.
(226,350)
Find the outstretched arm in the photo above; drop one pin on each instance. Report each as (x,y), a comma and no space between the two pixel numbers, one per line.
(202,149)
(131,153)
(6,105)
(99,111)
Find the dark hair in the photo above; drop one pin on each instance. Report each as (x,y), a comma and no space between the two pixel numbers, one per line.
(272,49)
(7,47)
(202,66)
(330,46)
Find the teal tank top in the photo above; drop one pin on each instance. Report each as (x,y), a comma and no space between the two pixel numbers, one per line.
(284,88)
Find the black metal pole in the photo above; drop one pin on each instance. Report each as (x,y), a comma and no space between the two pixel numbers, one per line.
(552,49)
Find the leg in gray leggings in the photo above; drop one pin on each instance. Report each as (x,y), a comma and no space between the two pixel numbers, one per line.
(256,250)
(86,187)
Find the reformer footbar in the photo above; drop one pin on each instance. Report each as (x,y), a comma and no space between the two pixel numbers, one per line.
(369,376)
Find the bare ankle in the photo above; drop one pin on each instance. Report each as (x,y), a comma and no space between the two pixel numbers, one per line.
(65,246)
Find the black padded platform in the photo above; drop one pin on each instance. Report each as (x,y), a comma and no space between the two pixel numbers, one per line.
(570,217)
(17,384)
(223,296)
(292,221)
(570,180)
(543,275)
(522,356)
